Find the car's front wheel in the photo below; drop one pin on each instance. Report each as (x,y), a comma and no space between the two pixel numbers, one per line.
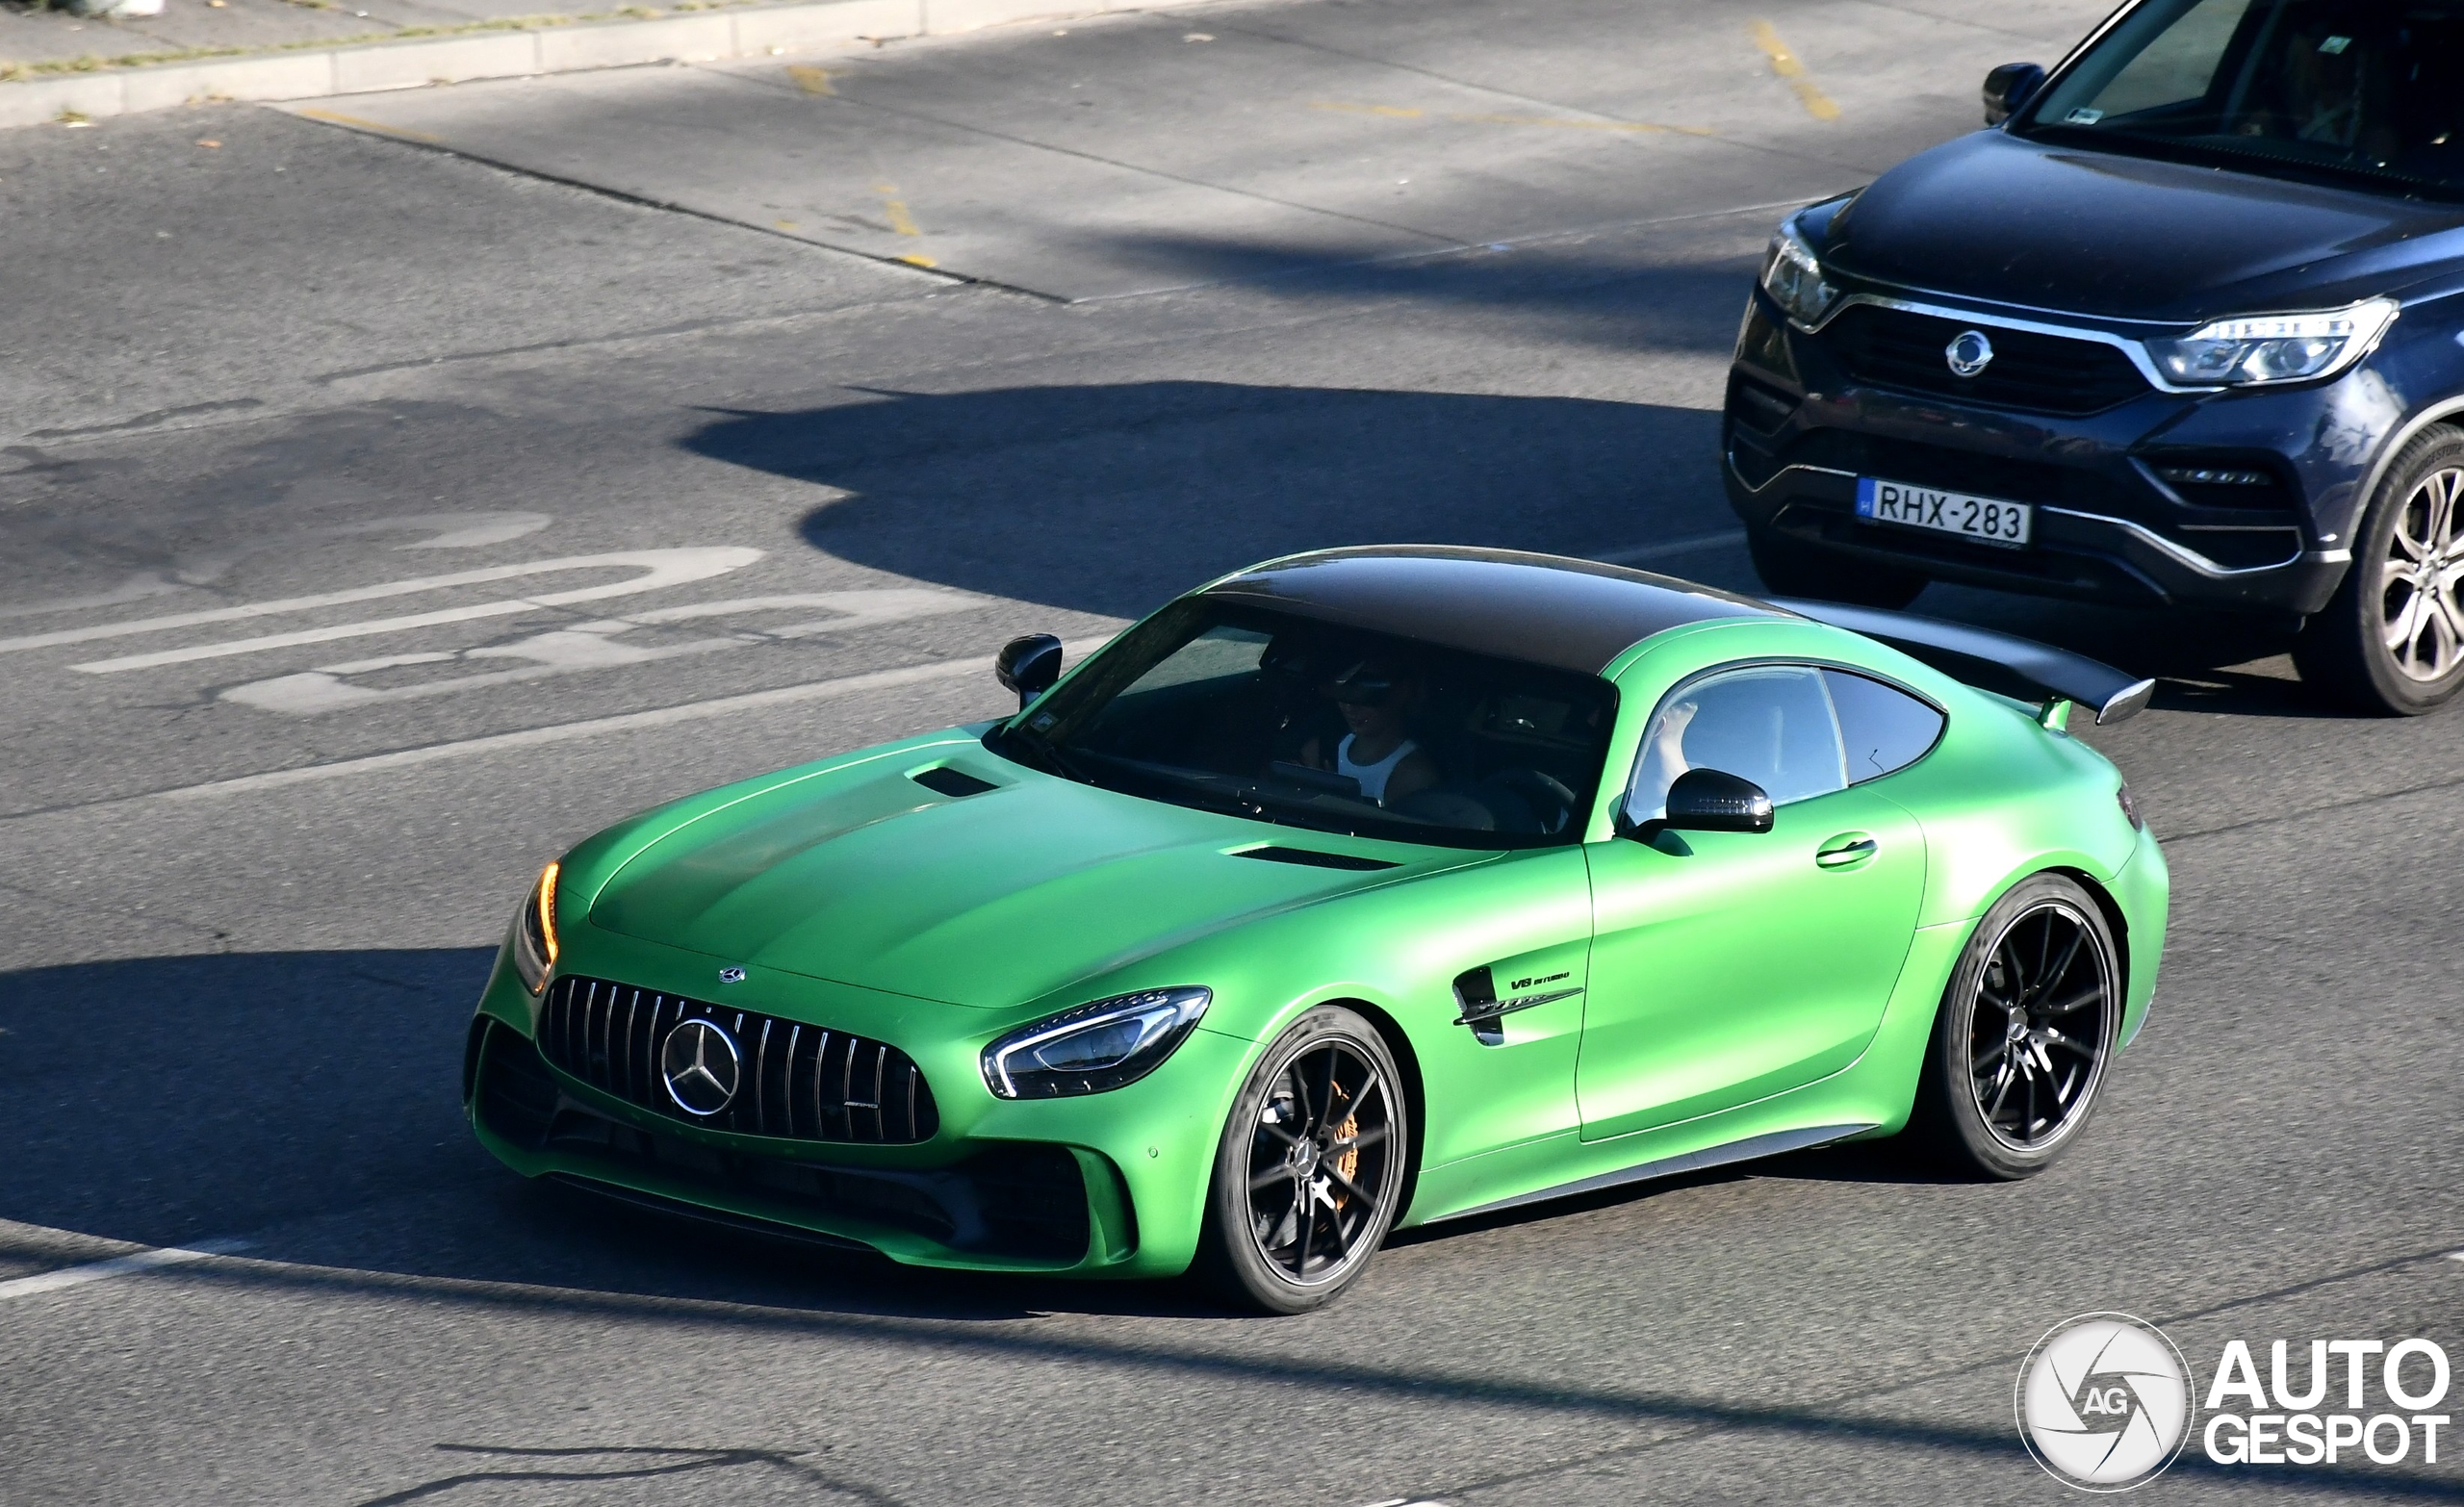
(1791,568)
(2391,640)
(1309,1167)
(2031,1018)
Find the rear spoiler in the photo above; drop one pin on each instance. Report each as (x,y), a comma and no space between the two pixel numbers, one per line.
(2007,665)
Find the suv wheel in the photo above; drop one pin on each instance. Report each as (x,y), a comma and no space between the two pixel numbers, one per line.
(2391,640)
(1793,569)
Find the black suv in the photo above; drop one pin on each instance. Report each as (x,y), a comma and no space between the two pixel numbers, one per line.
(2184,328)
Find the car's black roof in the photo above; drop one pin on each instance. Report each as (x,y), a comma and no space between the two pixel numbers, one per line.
(1538,609)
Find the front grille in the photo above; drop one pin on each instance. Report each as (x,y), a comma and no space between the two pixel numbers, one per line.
(2033,371)
(797,1082)
(1022,1199)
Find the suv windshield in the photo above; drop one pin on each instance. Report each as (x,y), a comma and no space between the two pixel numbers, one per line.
(1230,707)
(2365,93)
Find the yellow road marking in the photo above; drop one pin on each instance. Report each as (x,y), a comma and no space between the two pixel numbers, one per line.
(1406,113)
(378,126)
(1583,125)
(902,221)
(812,80)
(1785,64)
(1397,111)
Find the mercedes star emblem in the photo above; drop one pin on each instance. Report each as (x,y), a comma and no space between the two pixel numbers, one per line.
(1969,353)
(700,1065)
(731,973)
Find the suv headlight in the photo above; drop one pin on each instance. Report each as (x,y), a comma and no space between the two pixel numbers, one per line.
(534,931)
(1793,275)
(1095,1047)
(2257,349)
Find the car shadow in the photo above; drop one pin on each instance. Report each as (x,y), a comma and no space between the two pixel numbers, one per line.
(1113,498)
(308,1104)
(1110,499)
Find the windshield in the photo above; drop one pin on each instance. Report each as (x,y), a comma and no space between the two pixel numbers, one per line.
(2364,92)
(1230,707)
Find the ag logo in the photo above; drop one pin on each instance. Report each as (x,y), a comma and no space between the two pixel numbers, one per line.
(2104,1402)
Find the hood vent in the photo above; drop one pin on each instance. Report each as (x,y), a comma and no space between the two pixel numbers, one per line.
(952,782)
(1311,859)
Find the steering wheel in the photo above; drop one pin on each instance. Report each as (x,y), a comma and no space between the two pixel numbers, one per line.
(1550,801)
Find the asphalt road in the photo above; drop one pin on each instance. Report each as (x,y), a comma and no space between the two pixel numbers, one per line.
(319,431)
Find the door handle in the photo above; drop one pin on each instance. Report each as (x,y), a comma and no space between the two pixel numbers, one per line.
(1847,851)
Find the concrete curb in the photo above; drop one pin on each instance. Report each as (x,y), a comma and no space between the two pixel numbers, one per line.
(836,26)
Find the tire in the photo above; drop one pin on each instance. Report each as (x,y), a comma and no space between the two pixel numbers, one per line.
(2046,949)
(1279,1154)
(2404,585)
(1791,568)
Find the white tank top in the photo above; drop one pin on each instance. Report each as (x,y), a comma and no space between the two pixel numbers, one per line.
(1373,777)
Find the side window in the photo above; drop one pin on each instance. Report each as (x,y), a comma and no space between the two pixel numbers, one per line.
(1882,729)
(1770,724)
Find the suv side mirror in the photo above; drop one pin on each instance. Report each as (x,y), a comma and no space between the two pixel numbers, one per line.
(2008,87)
(1028,666)
(1710,801)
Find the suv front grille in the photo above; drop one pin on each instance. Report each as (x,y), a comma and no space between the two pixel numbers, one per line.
(2034,371)
(796,1081)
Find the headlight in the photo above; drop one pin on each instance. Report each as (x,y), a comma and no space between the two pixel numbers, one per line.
(1095,1047)
(534,931)
(2272,348)
(1793,275)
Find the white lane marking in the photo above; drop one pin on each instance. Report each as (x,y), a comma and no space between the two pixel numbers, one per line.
(137,588)
(593,645)
(2455,1255)
(1637,554)
(455,531)
(597,727)
(116,1267)
(452,532)
(661,568)
(333,598)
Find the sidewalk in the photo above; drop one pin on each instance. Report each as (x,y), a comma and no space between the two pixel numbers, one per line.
(60,68)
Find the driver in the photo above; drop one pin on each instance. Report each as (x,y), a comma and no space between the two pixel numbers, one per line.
(1376,698)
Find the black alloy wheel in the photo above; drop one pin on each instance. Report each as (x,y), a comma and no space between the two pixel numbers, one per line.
(1309,1167)
(2026,1030)
(2391,640)
(1791,567)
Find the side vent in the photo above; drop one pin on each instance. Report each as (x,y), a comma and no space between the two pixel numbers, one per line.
(950,782)
(1311,859)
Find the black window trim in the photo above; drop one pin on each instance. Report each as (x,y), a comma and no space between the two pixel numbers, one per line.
(1794,661)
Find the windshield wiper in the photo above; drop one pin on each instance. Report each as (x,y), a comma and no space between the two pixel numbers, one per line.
(1043,753)
(2206,151)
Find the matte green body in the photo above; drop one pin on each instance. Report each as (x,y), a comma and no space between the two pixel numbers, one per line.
(1736,999)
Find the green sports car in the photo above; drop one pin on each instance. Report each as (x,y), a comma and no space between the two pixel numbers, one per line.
(1361,889)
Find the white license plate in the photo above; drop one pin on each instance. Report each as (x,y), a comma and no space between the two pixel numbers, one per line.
(1987,519)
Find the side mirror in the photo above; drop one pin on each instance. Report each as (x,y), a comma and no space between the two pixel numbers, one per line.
(2008,87)
(1710,801)
(1028,666)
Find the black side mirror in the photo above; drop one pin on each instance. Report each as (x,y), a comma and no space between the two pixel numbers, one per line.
(1028,666)
(1710,801)
(2008,87)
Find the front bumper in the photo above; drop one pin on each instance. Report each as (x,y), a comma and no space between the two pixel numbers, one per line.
(1800,427)
(1109,1185)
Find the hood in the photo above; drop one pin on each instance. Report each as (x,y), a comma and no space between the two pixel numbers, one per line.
(991,899)
(1996,218)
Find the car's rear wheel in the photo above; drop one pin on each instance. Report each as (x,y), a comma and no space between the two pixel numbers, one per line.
(1791,568)
(2031,1018)
(2391,640)
(1309,1167)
